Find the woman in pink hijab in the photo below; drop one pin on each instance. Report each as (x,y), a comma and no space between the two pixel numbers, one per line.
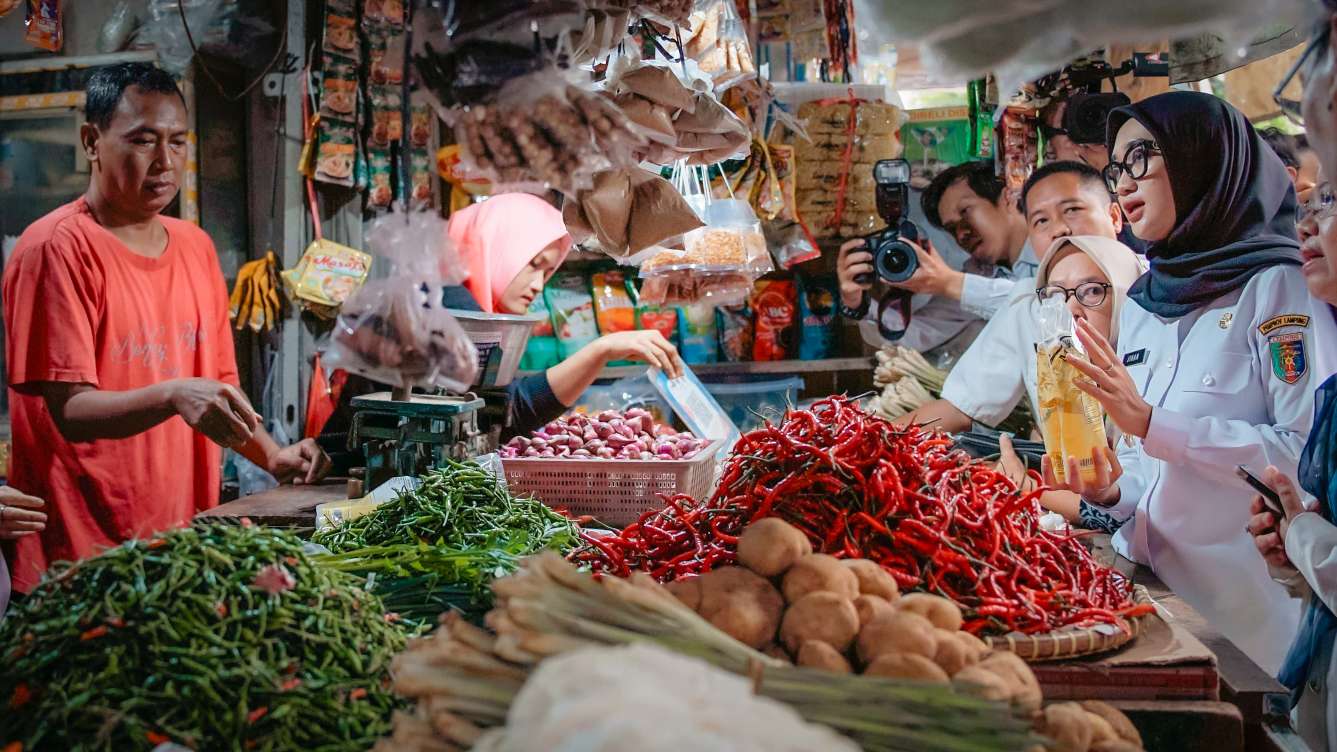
(512,244)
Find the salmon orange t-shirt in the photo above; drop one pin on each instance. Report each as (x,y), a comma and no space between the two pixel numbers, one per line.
(81,307)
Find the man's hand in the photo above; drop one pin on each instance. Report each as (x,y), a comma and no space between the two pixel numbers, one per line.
(1110,383)
(1011,465)
(301,463)
(215,409)
(853,261)
(933,276)
(20,514)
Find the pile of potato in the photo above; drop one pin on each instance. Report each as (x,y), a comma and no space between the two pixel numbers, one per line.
(848,615)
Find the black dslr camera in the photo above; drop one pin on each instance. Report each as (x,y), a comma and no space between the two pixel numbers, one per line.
(893,259)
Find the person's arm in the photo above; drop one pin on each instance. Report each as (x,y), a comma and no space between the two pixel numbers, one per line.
(984,296)
(84,413)
(937,414)
(570,378)
(302,463)
(989,379)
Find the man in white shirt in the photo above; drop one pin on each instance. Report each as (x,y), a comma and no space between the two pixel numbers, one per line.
(967,201)
(1061,199)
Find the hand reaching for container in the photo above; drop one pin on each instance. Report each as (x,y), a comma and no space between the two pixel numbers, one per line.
(20,514)
(644,345)
(1110,383)
(1011,465)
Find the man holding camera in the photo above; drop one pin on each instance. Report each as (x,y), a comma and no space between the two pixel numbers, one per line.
(967,201)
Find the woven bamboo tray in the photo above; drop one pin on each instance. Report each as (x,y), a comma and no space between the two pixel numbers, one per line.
(1074,642)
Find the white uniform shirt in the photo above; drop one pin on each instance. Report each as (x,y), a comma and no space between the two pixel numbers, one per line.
(999,368)
(987,290)
(1230,384)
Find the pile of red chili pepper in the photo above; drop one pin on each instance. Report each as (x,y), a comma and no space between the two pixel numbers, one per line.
(860,487)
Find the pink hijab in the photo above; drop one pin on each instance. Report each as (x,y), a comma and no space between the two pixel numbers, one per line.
(497,238)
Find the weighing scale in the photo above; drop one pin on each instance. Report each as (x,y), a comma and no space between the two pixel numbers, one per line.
(411,434)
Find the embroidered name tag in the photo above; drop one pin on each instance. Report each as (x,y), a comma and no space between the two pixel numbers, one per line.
(1135,358)
(1275,323)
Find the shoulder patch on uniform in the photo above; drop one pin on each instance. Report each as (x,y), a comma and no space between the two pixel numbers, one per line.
(1288,356)
(1276,322)
(1135,358)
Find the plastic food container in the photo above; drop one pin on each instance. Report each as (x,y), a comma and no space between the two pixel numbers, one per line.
(744,401)
(615,492)
(500,339)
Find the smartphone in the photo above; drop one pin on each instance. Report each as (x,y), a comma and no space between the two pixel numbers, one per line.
(1270,498)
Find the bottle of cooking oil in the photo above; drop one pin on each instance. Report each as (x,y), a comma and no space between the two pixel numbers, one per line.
(1071,421)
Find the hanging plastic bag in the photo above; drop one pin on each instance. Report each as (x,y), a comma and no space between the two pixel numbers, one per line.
(544,130)
(395,330)
(717,41)
(627,211)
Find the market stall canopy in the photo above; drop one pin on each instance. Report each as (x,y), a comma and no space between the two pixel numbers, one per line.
(1021,39)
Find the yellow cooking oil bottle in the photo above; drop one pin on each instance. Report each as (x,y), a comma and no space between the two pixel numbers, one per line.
(1071,421)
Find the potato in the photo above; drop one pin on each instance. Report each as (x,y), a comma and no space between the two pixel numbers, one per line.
(1123,727)
(873,579)
(897,632)
(1026,693)
(952,654)
(906,666)
(774,650)
(771,546)
(742,604)
(1117,745)
(817,654)
(974,645)
(1066,723)
(943,613)
(1101,730)
(688,591)
(823,616)
(982,683)
(869,607)
(819,572)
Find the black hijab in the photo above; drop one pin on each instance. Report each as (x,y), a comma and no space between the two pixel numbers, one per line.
(1234,203)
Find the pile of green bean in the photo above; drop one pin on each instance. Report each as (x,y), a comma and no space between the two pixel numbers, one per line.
(459,506)
(214,637)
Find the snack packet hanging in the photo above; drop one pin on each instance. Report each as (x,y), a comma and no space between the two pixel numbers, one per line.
(1071,421)
(328,273)
(717,40)
(614,310)
(697,334)
(395,330)
(817,316)
(775,312)
(543,130)
(735,331)
(45,28)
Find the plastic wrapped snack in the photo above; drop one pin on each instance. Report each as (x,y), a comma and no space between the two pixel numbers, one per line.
(834,188)
(394,330)
(544,131)
(572,309)
(717,41)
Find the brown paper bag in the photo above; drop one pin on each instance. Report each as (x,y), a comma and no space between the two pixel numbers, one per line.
(629,210)
(659,85)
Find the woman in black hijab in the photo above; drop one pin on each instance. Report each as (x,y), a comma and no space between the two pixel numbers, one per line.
(1217,363)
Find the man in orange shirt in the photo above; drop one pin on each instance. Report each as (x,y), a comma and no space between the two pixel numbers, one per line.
(123,380)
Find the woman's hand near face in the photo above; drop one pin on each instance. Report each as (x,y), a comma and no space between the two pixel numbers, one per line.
(645,345)
(1110,383)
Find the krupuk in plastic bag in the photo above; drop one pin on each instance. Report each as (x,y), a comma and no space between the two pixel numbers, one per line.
(395,330)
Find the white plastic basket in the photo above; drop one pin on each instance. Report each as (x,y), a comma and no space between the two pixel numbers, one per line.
(491,332)
(615,492)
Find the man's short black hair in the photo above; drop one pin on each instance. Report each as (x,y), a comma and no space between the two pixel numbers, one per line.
(978,174)
(1284,145)
(1085,173)
(108,84)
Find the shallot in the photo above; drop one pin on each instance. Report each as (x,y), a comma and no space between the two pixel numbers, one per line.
(633,435)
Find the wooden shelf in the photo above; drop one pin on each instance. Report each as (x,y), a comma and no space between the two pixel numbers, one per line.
(830,365)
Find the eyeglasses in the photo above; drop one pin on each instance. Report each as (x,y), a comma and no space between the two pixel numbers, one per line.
(1134,163)
(1089,294)
(1322,204)
(1291,107)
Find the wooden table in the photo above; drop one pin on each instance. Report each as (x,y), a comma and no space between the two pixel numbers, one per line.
(285,506)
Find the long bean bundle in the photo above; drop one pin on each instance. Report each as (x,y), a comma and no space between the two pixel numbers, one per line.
(460,506)
(214,637)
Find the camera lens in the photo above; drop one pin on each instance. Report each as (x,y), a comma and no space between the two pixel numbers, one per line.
(896,261)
